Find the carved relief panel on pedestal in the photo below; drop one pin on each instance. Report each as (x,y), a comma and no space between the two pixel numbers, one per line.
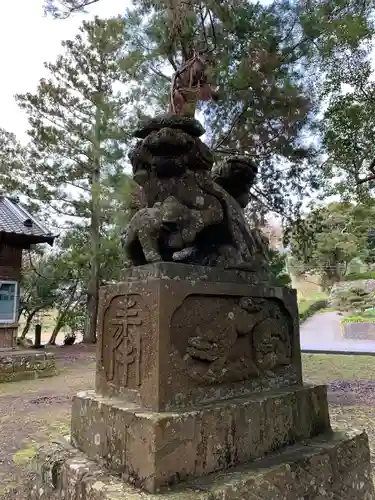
(229,339)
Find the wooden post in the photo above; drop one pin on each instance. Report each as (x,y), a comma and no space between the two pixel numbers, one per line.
(38,337)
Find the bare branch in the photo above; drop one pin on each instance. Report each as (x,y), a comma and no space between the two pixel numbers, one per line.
(231,128)
(69,6)
(172,62)
(159,73)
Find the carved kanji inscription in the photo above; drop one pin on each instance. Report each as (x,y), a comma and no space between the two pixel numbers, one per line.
(123,325)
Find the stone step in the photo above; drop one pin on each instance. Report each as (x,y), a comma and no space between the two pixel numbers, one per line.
(154,449)
(332,466)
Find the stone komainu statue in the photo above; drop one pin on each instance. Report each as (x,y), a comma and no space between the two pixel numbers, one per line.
(194,211)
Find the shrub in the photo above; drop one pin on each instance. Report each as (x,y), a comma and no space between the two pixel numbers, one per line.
(307,309)
(278,268)
(370,275)
(365,317)
(355,300)
(358,319)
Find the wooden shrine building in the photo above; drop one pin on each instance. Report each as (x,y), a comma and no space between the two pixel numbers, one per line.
(19,231)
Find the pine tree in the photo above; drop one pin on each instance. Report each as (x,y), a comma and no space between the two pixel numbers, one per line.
(64,8)
(13,163)
(78,127)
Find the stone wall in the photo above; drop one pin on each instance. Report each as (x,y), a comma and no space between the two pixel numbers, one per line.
(10,269)
(359,331)
(26,365)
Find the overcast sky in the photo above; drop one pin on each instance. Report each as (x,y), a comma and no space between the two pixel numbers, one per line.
(27,40)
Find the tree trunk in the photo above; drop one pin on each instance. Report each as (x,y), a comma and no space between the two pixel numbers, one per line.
(22,308)
(60,318)
(29,319)
(58,325)
(20,312)
(89,335)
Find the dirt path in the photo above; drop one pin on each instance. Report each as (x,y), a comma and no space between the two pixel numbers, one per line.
(33,411)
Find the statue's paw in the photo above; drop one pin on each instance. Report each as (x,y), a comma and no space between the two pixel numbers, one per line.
(152,257)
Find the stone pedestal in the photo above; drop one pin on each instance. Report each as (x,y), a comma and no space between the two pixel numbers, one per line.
(16,364)
(199,396)
(190,336)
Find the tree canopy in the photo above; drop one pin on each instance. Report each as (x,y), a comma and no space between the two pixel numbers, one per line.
(348,131)
(270,64)
(339,232)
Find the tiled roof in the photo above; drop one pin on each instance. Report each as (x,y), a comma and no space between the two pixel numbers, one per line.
(15,219)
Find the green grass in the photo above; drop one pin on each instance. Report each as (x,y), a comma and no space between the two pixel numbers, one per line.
(359,276)
(304,303)
(365,317)
(317,302)
(25,455)
(323,368)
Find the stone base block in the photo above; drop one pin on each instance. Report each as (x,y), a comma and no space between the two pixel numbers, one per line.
(152,450)
(25,365)
(335,466)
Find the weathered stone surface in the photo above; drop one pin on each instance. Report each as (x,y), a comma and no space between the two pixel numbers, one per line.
(187,124)
(188,217)
(333,467)
(25,365)
(199,391)
(359,331)
(179,272)
(235,175)
(151,450)
(171,343)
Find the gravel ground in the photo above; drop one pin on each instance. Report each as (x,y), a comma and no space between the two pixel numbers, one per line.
(348,393)
(33,411)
